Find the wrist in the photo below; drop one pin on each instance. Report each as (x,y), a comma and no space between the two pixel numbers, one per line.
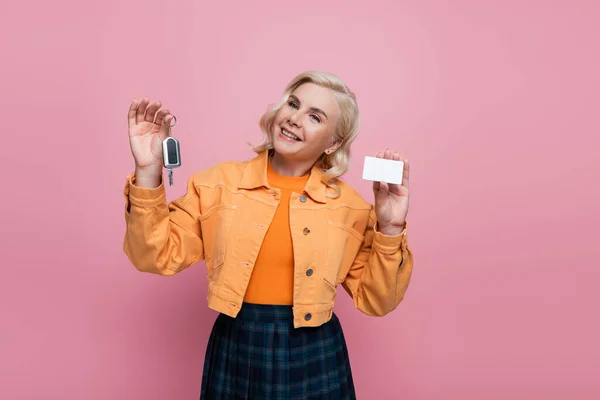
(148,177)
(390,230)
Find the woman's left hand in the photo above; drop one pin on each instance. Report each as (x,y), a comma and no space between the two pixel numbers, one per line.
(391,200)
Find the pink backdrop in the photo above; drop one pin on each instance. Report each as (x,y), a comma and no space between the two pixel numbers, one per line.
(494,102)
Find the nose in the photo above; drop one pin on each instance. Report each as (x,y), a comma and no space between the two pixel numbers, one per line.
(294,118)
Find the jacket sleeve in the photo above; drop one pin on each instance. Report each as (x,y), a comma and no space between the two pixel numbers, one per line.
(380,274)
(162,238)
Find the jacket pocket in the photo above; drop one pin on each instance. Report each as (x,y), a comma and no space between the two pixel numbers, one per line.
(215,225)
(343,244)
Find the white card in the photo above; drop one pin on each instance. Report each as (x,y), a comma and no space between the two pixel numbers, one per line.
(382,170)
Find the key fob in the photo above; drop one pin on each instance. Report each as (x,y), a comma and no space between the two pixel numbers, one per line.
(171,154)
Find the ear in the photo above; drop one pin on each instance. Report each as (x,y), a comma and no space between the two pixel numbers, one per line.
(334,146)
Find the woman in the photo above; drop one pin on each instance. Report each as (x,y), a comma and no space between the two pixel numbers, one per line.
(278,233)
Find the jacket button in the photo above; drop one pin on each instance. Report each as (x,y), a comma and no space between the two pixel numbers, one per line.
(308,316)
(309,272)
(306,231)
(303,199)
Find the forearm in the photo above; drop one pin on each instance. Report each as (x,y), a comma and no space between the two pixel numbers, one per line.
(384,281)
(381,273)
(149,177)
(147,234)
(161,238)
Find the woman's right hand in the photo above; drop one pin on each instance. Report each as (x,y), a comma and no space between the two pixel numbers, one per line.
(148,127)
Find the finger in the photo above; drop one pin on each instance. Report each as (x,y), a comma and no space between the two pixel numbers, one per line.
(160,117)
(405,173)
(141,110)
(387,154)
(395,156)
(132,111)
(384,188)
(151,111)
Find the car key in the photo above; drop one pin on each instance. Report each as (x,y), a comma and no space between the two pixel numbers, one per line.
(171,153)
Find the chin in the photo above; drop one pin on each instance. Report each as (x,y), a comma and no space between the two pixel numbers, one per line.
(284,147)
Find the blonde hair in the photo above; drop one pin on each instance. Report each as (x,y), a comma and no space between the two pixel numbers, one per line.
(335,164)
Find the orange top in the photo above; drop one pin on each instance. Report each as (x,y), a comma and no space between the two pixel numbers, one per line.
(272,280)
(224,216)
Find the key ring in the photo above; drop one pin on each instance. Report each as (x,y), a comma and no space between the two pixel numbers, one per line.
(174,119)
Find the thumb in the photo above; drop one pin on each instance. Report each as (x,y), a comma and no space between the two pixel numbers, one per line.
(382,192)
(168,121)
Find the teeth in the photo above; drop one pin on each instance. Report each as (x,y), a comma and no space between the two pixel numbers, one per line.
(290,135)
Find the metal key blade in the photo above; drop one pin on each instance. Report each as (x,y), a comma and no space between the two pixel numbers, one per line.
(170,177)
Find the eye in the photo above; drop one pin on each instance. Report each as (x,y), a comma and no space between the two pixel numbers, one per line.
(293,105)
(315,118)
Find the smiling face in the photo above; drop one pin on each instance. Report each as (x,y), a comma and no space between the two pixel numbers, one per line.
(304,127)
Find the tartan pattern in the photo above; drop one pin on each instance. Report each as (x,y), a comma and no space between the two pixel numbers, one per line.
(259,355)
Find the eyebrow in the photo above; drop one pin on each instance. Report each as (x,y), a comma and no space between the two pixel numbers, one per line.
(313,109)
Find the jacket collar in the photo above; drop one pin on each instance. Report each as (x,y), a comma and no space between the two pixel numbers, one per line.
(255,176)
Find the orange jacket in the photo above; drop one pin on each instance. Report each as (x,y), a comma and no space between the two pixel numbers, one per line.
(223,218)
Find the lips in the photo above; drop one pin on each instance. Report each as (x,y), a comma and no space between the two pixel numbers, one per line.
(290,135)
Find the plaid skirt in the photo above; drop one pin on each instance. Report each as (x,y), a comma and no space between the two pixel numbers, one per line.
(259,355)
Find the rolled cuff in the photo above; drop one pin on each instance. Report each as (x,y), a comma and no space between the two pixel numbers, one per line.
(144,197)
(389,244)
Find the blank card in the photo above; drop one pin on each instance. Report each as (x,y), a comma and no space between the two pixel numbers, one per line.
(382,170)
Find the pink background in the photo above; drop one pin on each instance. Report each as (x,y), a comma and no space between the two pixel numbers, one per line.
(494,102)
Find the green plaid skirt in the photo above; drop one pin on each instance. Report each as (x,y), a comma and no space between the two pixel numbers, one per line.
(260,356)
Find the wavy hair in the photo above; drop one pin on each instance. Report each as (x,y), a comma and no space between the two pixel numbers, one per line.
(335,164)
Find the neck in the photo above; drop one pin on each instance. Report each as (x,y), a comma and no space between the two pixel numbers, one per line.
(288,167)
